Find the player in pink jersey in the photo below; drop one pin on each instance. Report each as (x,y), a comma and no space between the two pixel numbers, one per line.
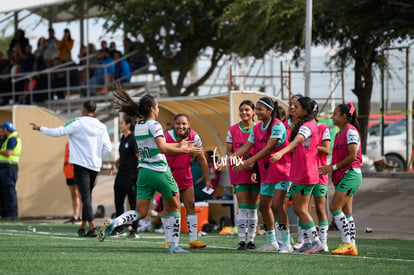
(346,175)
(180,166)
(269,136)
(304,170)
(320,191)
(247,192)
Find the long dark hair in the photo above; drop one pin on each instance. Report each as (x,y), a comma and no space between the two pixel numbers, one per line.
(129,120)
(270,105)
(351,114)
(248,103)
(127,105)
(311,108)
(188,119)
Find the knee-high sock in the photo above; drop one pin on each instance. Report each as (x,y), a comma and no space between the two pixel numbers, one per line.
(241,220)
(323,230)
(343,225)
(352,228)
(175,221)
(252,224)
(126,217)
(309,235)
(167,228)
(192,226)
(300,233)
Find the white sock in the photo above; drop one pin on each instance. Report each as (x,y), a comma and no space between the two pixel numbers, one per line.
(343,226)
(352,229)
(241,220)
(310,235)
(166,227)
(126,217)
(175,222)
(323,233)
(300,235)
(192,226)
(278,234)
(251,225)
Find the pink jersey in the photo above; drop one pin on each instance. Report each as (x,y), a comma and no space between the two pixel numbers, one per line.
(271,172)
(238,138)
(180,165)
(340,151)
(304,159)
(322,158)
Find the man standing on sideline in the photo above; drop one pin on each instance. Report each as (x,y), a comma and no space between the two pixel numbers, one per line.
(88,144)
(9,158)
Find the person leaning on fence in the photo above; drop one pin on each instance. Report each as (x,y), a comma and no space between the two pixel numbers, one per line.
(89,143)
(9,159)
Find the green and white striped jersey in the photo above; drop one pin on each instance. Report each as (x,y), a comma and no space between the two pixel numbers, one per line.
(150,157)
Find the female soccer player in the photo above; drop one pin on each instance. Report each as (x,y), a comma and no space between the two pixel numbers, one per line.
(269,136)
(346,175)
(247,192)
(320,190)
(181,169)
(154,175)
(304,170)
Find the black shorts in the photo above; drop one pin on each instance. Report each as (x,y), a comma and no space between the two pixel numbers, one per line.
(70,182)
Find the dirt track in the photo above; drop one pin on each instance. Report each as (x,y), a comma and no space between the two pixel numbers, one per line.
(384,202)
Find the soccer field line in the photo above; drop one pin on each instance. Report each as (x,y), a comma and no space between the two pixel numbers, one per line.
(62,236)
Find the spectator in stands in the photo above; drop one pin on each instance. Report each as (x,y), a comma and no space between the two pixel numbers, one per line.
(41,45)
(26,58)
(58,81)
(136,61)
(65,45)
(40,78)
(5,80)
(51,51)
(103,75)
(104,45)
(18,39)
(112,48)
(122,69)
(73,72)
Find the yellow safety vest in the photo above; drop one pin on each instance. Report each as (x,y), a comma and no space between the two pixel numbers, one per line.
(17,150)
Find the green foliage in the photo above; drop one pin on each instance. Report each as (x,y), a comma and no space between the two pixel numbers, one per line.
(255,27)
(4,44)
(174,33)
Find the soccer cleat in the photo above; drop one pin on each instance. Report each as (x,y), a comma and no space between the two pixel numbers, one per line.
(325,246)
(286,248)
(116,233)
(176,249)
(92,233)
(81,232)
(242,246)
(345,249)
(268,247)
(105,230)
(197,244)
(309,248)
(297,245)
(167,245)
(251,246)
(133,235)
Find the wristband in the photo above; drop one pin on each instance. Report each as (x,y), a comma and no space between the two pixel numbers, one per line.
(334,168)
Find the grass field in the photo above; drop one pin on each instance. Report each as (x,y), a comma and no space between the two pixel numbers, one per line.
(55,249)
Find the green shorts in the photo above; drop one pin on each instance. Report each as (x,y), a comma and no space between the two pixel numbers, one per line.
(304,189)
(268,189)
(320,191)
(249,187)
(350,182)
(150,181)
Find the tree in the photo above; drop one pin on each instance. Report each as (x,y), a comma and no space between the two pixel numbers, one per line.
(174,33)
(359,29)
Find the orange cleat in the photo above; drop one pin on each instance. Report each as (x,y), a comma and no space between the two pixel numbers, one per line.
(197,244)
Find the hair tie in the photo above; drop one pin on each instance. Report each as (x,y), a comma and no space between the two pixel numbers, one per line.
(351,108)
(315,107)
(266,104)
